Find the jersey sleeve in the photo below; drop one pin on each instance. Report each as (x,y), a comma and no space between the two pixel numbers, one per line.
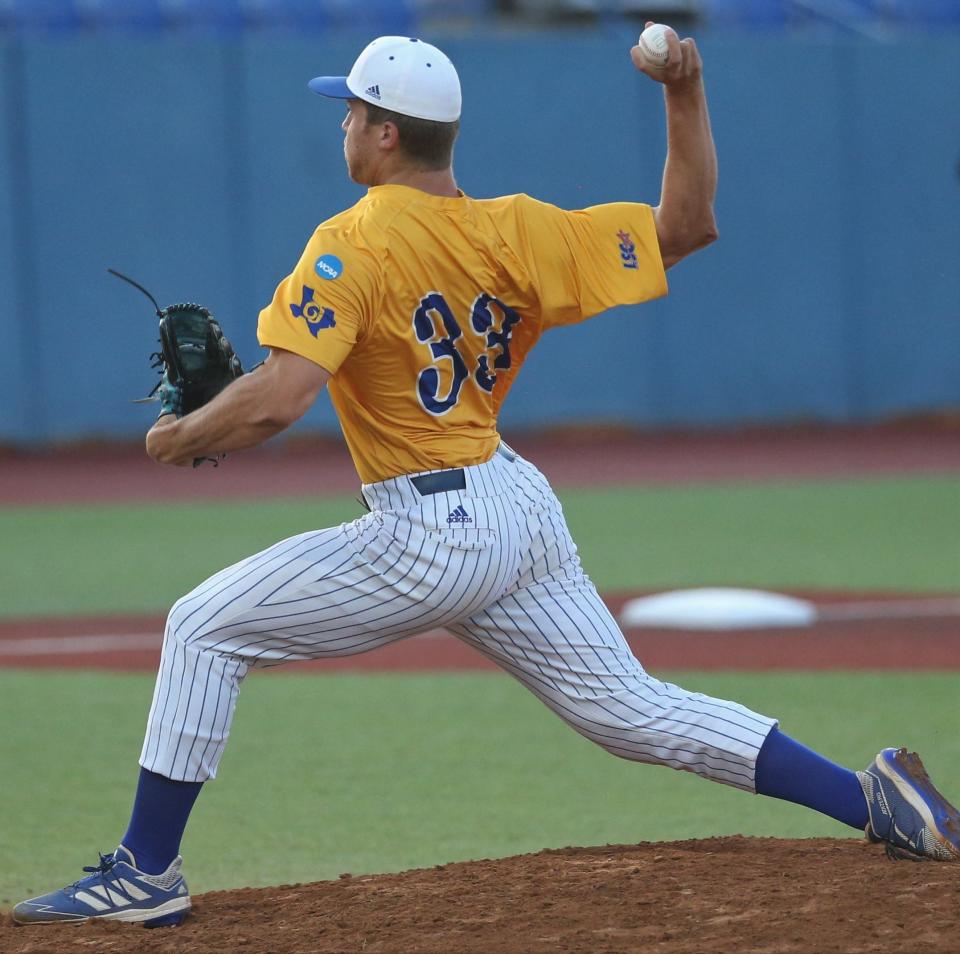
(324,307)
(590,260)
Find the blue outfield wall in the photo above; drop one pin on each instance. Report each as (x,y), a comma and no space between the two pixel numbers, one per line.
(200,167)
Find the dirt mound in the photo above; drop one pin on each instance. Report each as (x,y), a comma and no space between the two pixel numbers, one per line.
(721,894)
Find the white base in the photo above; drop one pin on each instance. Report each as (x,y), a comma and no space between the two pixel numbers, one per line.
(718,608)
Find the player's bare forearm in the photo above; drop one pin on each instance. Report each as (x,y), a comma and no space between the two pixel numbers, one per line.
(252,409)
(230,422)
(684,218)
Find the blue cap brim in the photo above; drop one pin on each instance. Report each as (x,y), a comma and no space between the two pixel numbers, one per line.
(335,86)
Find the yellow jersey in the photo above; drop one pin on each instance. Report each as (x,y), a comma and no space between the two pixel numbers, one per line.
(423,308)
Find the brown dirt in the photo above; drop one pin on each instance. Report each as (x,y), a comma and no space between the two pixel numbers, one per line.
(720,894)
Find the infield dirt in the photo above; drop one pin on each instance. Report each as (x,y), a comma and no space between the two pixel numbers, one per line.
(721,894)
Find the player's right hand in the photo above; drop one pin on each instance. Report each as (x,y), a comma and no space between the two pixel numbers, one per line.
(684,67)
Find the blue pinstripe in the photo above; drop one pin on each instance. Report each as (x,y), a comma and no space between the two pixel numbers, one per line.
(510,585)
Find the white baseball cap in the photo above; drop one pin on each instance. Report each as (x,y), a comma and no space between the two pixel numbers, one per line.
(402,74)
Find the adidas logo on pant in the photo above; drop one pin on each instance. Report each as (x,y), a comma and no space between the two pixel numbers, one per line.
(459,515)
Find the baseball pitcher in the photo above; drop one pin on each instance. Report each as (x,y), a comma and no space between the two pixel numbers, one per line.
(415,309)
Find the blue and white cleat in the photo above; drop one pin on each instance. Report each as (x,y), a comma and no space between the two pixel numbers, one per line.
(115,889)
(906,811)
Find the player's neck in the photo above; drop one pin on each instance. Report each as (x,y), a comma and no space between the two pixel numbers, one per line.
(434,182)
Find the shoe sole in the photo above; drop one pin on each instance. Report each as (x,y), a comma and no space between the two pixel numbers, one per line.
(905,770)
(169,914)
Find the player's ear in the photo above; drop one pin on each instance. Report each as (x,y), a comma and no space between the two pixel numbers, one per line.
(389,136)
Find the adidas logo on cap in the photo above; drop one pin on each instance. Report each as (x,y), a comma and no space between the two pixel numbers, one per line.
(373,91)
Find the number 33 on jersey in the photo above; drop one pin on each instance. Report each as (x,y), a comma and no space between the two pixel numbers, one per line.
(442,342)
(363,304)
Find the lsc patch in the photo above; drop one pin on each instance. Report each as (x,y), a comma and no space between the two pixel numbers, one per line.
(628,250)
(328,267)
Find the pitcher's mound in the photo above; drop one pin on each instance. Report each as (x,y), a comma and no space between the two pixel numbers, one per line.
(721,894)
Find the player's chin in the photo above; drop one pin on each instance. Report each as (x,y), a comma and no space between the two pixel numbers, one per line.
(356,174)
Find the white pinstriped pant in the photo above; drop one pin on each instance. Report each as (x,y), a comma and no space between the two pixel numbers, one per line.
(509,583)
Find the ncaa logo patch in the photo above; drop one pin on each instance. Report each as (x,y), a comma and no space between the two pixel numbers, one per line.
(328,267)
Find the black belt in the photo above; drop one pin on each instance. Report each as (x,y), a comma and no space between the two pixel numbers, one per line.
(444,480)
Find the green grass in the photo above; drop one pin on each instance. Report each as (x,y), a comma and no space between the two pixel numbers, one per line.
(356,774)
(130,558)
(897,533)
(890,533)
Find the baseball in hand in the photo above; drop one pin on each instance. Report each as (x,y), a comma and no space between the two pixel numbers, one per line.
(653,43)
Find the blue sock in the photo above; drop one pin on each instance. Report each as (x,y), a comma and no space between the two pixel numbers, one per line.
(788,770)
(160,813)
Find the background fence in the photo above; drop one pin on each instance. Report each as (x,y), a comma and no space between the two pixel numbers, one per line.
(200,164)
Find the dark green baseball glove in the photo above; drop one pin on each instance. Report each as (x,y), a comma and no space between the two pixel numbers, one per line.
(197,360)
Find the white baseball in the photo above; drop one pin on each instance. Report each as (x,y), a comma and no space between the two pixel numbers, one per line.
(653,42)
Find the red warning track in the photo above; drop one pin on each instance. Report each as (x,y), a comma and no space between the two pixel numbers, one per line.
(918,642)
(581,458)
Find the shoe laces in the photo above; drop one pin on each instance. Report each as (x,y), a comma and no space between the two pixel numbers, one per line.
(106,864)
